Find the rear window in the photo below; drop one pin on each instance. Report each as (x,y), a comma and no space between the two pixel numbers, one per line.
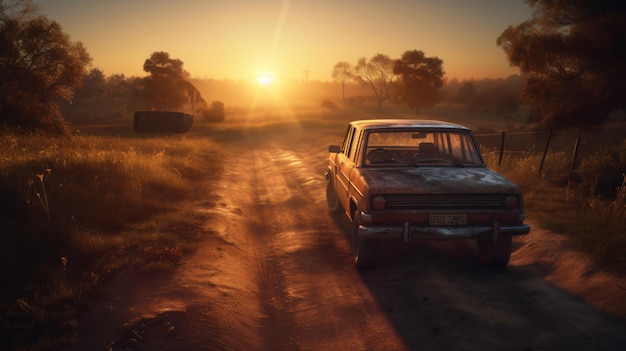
(418,147)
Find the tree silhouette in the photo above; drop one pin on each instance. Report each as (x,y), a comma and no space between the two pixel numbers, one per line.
(39,68)
(420,79)
(342,72)
(166,87)
(99,98)
(572,54)
(377,73)
(93,87)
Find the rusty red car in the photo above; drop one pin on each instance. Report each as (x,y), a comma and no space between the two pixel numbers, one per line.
(402,180)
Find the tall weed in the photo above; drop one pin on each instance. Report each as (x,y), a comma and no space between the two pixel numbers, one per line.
(558,201)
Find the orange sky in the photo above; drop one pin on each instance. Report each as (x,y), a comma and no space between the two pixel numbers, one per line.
(241,39)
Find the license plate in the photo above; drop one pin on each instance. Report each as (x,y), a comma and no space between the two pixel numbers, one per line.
(459,219)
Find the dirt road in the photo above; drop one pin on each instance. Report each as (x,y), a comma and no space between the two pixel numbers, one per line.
(274,272)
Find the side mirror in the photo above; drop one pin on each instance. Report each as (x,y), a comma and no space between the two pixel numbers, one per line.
(334,149)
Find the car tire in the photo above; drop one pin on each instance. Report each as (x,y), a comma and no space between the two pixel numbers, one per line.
(365,251)
(331,198)
(495,254)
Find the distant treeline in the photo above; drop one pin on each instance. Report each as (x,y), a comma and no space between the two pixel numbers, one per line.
(110,98)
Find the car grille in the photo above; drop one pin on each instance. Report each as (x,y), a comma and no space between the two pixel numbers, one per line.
(447,202)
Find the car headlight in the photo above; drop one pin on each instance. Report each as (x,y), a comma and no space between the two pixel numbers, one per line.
(511,202)
(379,202)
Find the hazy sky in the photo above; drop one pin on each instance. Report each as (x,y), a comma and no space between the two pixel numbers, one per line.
(240,39)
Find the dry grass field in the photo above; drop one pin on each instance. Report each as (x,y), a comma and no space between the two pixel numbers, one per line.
(76,209)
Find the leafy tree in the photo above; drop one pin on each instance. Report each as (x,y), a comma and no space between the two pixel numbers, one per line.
(342,72)
(39,68)
(499,96)
(468,96)
(377,73)
(573,56)
(166,87)
(93,87)
(420,79)
(99,98)
(118,89)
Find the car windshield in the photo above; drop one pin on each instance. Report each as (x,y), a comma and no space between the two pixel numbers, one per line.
(421,148)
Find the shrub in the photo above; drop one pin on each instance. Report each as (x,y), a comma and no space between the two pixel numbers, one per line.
(602,171)
(215,113)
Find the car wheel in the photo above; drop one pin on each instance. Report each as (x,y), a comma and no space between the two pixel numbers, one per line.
(331,198)
(495,254)
(365,250)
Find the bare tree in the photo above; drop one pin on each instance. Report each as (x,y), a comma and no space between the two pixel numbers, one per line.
(342,72)
(377,73)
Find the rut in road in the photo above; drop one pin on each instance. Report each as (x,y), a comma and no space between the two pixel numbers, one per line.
(312,296)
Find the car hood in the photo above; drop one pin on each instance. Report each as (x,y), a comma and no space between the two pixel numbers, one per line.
(436,180)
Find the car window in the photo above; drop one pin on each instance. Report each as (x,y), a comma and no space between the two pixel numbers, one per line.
(419,147)
(353,145)
(347,140)
(462,148)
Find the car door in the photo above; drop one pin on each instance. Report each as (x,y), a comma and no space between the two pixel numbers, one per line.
(347,163)
(355,188)
(341,178)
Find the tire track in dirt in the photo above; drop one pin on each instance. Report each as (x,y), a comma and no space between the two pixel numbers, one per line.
(313,297)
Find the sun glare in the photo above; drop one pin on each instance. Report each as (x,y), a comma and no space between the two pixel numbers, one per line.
(265,79)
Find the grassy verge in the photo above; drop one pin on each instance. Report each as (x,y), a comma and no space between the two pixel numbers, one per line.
(596,225)
(74,210)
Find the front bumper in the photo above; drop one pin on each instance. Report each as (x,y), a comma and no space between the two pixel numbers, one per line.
(407,232)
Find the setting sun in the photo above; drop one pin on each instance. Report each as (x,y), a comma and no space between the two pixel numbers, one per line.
(265,79)
(287,34)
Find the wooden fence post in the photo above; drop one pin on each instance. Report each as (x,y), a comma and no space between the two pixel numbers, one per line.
(575,156)
(545,152)
(501,148)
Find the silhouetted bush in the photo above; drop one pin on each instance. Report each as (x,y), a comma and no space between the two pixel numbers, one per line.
(215,113)
(603,170)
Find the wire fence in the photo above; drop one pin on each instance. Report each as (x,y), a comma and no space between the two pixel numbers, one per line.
(531,143)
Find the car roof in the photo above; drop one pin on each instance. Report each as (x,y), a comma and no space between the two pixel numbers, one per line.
(405,123)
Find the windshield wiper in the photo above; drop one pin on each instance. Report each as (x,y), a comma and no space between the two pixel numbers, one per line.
(456,164)
(397,160)
(434,160)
